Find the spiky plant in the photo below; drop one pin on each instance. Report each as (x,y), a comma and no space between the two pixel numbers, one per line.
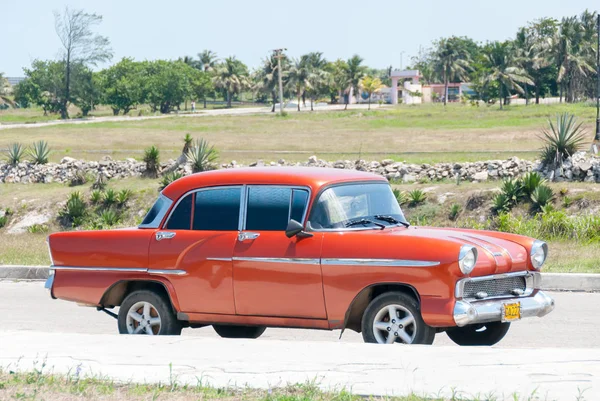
(15,153)
(202,155)
(416,197)
(74,210)
(455,210)
(169,178)
(39,152)
(541,197)
(562,139)
(123,196)
(501,203)
(96,196)
(109,218)
(530,182)
(513,190)
(152,160)
(110,197)
(400,196)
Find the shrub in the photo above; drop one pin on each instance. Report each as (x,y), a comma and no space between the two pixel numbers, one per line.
(530,182)
(567,201)
(3,221)
(513,190)
(169,178)
(416,197)
(79,178)
(123,196)
(455,210)
(202,156)
(39,152)
(500,203)
(74,210)
(562,139)
(110,197)
(109,218)
(152,160)
(38,229)
(541,196)
(15,153)
(96,196)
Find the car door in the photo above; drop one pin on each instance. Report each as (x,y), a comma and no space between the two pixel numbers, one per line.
(275,275)
(197,242)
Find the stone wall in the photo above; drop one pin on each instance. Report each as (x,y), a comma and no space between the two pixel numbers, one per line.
(580,167)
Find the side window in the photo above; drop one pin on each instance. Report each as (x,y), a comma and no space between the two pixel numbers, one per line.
(298,205)
(181,218)
(271,208)
(217,209)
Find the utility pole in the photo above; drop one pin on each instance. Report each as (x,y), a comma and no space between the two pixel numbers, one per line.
(278,56)
(597,137)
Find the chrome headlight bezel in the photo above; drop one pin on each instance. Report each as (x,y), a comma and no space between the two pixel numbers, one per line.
(467,259)
(539,248)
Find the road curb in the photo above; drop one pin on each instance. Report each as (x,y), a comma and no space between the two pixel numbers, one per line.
(550,281)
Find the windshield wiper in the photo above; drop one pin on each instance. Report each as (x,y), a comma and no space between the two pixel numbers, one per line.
(391,220)
(363,222)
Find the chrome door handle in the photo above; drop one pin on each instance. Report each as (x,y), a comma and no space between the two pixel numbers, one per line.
(243,236)
(164,235)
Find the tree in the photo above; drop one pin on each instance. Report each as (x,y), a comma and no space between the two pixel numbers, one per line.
(267,77)
(86,89)
(356,71)
(318,76)
(80,46)
(451,59)
(167,84)
(504,70)
(207,60)
(299,77)
(339,79)
(232,77)
(121,85)
(43,86)
(371,85)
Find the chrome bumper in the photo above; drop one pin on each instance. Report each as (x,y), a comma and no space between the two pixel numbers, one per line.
(472,312)
(50,280)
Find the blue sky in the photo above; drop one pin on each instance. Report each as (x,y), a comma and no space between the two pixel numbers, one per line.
(377,30)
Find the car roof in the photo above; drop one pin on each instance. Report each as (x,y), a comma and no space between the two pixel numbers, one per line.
(313,177)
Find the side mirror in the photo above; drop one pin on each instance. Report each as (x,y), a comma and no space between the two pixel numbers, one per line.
(294,228)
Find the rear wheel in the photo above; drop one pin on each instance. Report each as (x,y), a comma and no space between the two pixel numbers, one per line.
(226,331)
(146,312)
(394,317)
(479,334)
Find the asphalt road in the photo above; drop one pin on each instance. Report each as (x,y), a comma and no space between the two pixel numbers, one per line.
(27,306)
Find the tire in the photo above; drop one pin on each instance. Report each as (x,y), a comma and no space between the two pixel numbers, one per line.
(158,307)
(379,313)
(226,331)
(479,334)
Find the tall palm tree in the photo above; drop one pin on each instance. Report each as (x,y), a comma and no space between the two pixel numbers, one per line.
(356,71)
(371,85)
(267,77)
(231,76)
(338,79)
(451,61)
(298,78)
(208,60)
(504,69)
(318,76)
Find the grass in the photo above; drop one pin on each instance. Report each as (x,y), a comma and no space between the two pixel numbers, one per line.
(37,385)
(424,134)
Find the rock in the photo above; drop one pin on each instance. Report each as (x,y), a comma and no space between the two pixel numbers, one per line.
(386,162)
(67,159)
(312,159)
(585,166)
(409,178)
(481,176)
(106,158)
(30,219)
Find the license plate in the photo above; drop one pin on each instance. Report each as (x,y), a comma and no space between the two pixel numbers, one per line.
(511,312)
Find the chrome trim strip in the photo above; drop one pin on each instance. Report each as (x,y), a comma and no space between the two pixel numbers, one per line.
(167,272)
(220,259)
(531,281)
(102,269)
(379,262)
(302,261)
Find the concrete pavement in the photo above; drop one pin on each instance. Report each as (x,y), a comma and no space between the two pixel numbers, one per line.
(365,369)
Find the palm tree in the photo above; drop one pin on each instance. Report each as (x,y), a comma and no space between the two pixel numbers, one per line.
(355,73)
(318,76)
(371,85)
(338,79)
(503,69)
(267,77)
(299,77)
(451,61)
(208,60)
(231,76)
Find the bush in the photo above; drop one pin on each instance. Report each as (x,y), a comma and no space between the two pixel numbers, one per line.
(74,210)
(109,218)
(110,197)
(455,210)
(169,178)
(513,190)
(530,182)
(416,197)
(152,160)
(15,153)
(541,196)
(39,152)
(123,196)
(500,203)
(562,139)
(202,156)
(96,196)
(3,221)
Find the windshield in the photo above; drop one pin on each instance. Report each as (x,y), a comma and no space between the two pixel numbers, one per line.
(356,206)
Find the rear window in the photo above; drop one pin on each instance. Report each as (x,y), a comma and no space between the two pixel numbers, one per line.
(156,212)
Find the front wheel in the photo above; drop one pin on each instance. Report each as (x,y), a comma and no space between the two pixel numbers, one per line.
(394,317)
(226,331)
(479,334)
(146,312)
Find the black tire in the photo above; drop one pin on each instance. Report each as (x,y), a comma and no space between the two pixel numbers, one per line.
(169,325)
(423,334)
(479,334)
(227,331)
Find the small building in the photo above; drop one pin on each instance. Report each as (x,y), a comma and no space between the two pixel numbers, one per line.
(406,86)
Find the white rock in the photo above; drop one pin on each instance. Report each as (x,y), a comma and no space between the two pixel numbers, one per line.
(30,219)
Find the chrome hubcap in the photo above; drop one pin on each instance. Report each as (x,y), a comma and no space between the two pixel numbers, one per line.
(394,323)
(143,318)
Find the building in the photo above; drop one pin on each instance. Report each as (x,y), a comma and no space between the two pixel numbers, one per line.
(14,80)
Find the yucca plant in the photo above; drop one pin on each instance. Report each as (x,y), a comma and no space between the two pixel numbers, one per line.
(96,196)
(501,203)
(39,152)
(15,153)
(110,197)
(541,197)
(169,178)
(513,190)
(562,139)
(455,210)
(152,160)
(123,196)
(74,210)
(109,218)
(202,155)
(187,143)
(530,182)
(416,197)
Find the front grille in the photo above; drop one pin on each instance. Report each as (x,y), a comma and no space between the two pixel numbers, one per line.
(497,287)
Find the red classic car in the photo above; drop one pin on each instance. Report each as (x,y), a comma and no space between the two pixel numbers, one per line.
(246,249)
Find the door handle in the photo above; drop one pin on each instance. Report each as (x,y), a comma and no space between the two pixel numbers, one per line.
(164,235)
(243,236)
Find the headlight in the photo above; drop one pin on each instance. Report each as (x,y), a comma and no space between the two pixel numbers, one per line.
(539,253)
(467,258)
